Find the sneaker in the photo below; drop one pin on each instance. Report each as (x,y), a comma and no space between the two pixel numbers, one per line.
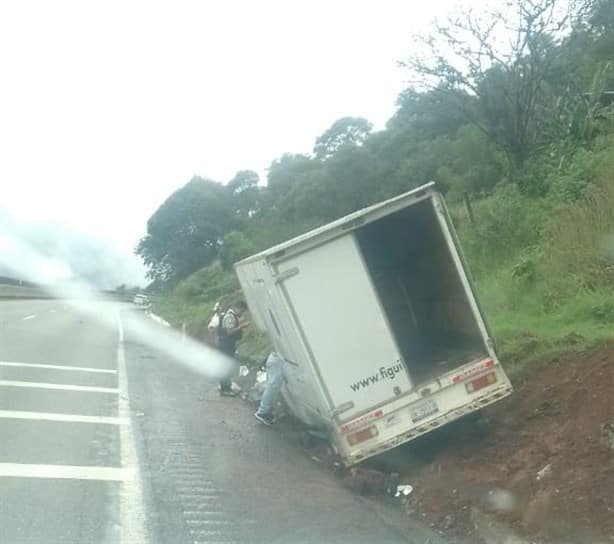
(227,393)
(265,418)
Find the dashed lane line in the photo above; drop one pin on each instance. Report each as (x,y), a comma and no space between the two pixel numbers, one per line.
(28,317)
(68,418)
(58,367)
(71,472)
(58,386)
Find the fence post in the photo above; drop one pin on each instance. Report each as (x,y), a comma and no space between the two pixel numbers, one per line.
(469,208)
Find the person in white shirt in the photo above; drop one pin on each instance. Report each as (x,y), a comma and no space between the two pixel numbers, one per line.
(214,324)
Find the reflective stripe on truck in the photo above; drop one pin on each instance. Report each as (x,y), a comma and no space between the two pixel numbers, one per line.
(361,421)
(419,393)
(455,413)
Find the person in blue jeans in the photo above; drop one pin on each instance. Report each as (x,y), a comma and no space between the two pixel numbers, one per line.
(272,388)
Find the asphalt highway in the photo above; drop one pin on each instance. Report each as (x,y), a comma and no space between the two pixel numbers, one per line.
(108,437)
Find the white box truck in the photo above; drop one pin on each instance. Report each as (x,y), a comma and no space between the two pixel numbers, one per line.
(378,321)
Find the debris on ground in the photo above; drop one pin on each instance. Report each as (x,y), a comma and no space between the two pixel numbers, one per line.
(394,481)
(546,471)
(248,377)
(235,387)
(540,462)
(607,435)
(404,490)
(369,481)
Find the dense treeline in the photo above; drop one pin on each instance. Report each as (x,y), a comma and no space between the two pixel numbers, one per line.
(511,113)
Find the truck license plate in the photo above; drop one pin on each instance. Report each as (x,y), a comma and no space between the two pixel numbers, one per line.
(423,410)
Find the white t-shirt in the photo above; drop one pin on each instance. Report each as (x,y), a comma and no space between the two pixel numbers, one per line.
(214,322)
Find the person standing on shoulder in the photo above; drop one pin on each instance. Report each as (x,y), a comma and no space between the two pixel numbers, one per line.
(272,389)
(230,331)
(214,324)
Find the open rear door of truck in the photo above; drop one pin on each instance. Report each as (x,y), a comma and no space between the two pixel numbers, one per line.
(343,327)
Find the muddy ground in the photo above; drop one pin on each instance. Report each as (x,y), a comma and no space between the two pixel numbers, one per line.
(540,462)
(536,467)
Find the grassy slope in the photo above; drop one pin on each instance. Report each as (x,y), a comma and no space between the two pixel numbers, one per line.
(527,334)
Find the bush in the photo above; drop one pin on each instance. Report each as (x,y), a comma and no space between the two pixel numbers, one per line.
(207,285)
(579,241)
(573,180)
(235,246)
(506,222)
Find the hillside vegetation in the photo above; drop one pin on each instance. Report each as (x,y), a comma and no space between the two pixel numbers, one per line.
(519,139)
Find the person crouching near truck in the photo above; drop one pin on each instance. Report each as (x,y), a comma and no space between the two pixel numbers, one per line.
(230,331)
(272,389)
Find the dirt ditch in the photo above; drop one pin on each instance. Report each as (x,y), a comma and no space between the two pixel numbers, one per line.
(540,462)
(538,466)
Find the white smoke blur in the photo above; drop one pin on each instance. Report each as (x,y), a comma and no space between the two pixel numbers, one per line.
(17,259)
(86,300)
(59,253)
(183,350)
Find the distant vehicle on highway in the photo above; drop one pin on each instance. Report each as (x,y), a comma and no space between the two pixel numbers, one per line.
(141,300)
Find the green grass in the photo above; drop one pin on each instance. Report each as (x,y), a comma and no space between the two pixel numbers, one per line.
(529,328)
(529,332)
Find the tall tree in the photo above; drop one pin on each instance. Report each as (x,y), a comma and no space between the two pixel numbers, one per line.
(430,114)
(344,131)
(286,173)
(186,231)
(245,193)
(509,81)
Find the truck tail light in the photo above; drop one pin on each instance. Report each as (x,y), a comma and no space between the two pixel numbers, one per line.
(481,382)
(362,435)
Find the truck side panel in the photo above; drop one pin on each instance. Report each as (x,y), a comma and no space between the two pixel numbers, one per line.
(301,390)
(253,288)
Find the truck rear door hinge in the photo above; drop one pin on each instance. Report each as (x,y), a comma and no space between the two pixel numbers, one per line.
(286,274)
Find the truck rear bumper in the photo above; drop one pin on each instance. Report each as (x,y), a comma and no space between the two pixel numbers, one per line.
(476,404)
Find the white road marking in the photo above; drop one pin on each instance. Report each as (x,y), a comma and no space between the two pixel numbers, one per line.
(28,317)
(218,522)
(131,505)
(192,513)
(69,418)
(52,311)
(58,386)
(59,367)
(71,472)
(198,496)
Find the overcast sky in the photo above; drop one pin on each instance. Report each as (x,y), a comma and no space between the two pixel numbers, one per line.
(107,107)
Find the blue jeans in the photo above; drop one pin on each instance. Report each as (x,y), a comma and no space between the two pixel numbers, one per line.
(274,381)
